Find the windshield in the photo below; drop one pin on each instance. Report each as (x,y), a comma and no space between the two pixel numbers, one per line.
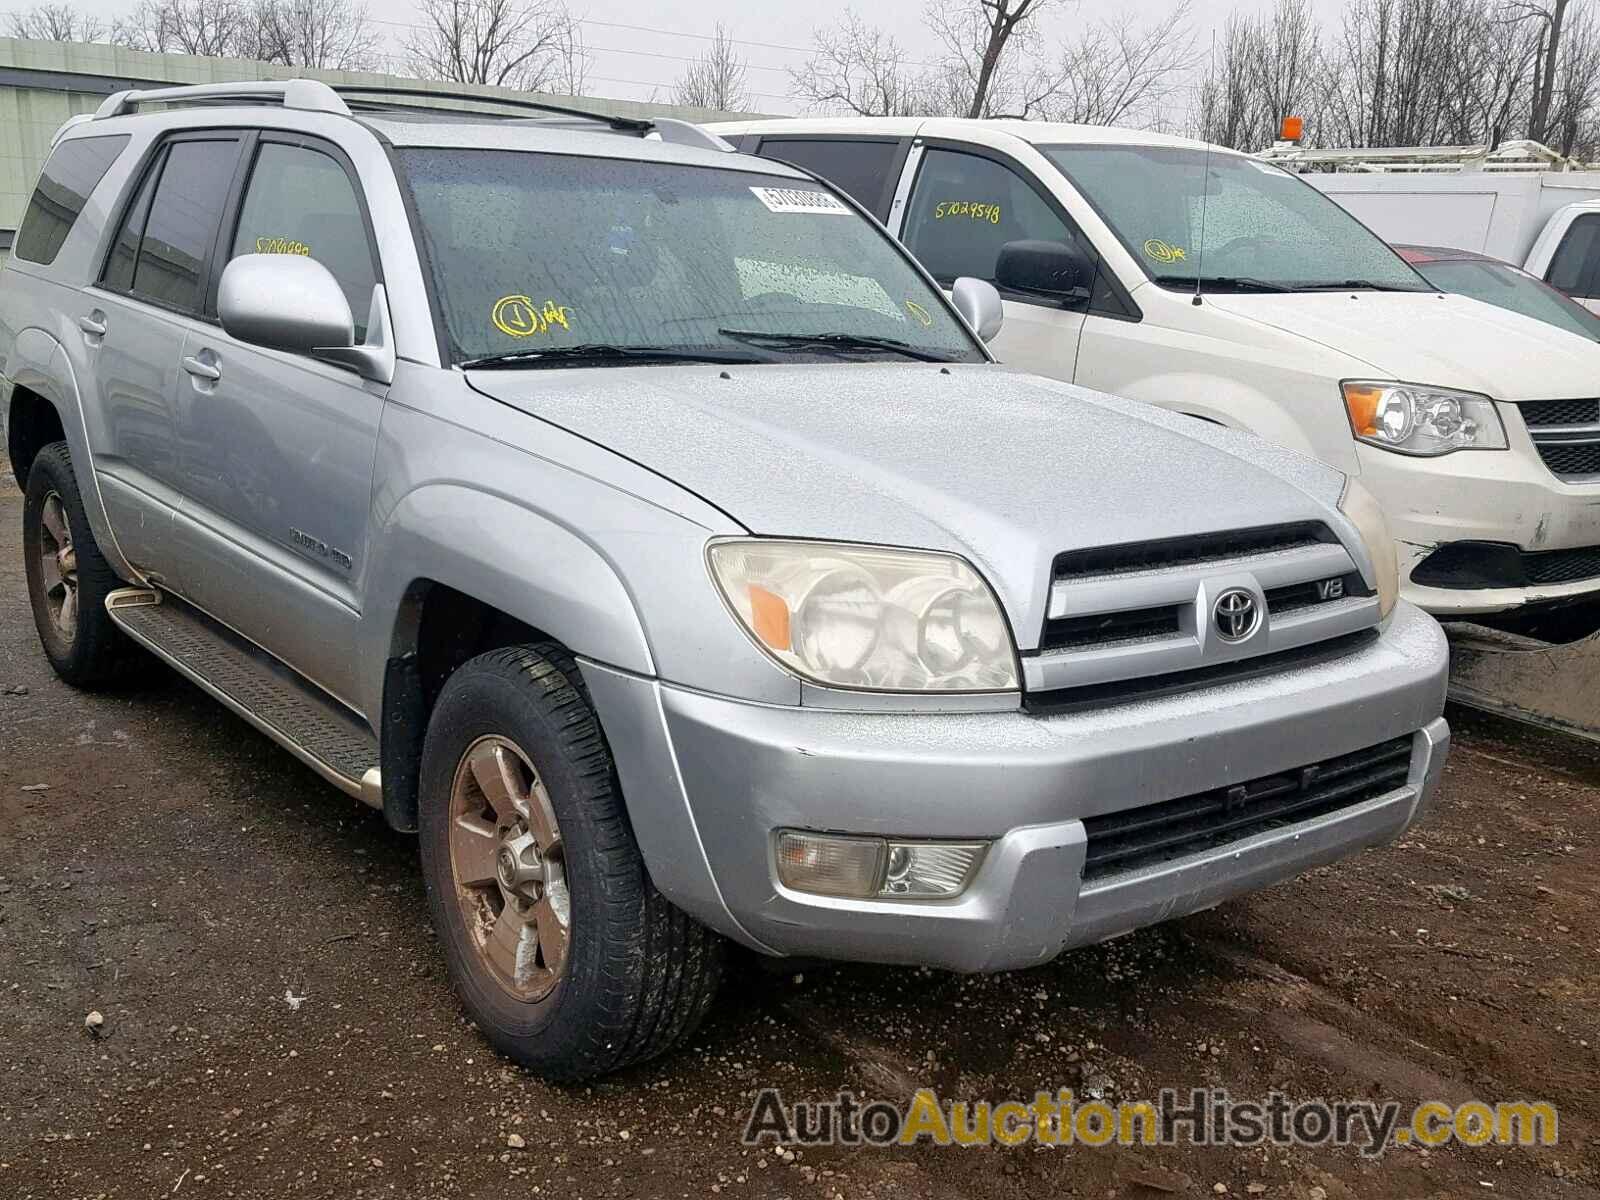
(1243,224)
(1506,287)
(533,253)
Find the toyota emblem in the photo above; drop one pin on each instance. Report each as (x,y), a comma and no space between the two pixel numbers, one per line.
(1236,615)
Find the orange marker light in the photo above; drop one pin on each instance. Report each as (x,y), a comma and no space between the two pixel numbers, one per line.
(1362,405)
(1293,129)
(770,616)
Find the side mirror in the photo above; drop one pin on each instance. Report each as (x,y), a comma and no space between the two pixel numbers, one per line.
(1052,269)
(284,302)
(979,305)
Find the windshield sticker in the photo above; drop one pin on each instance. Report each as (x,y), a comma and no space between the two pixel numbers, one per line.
(797,200)
(520,316)
(923,316)
(1165,252)
(272,245)
(968,208)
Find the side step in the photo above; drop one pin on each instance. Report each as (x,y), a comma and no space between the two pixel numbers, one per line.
(316,729)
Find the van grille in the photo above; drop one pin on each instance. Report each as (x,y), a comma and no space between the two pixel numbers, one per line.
(1567,435)
(1156,833)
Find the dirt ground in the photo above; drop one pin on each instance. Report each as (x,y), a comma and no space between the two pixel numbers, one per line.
(278,1023)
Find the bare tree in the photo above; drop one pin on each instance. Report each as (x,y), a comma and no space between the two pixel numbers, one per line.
(1114,72)
(716,79)
(55,23)
(857,68)
(331,34)
(983,41)
(213,28)
(502,42)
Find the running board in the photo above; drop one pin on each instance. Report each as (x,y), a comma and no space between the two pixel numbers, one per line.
(316,729)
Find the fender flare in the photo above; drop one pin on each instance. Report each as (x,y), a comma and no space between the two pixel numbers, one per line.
(40,363)
(1226,402)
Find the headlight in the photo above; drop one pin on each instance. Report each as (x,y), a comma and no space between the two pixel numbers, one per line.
(1363,509)
(868,618)
(1423,421)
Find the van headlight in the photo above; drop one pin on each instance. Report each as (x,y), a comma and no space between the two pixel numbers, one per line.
(866,617)
(1422,421)
(1364,511)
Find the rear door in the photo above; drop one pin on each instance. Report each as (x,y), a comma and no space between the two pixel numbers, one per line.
(152,284)
(277,448)
(864,168)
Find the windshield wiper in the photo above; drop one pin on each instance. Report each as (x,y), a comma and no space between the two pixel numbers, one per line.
(1235,283)
(602,352)
(1361,285)
(837,341)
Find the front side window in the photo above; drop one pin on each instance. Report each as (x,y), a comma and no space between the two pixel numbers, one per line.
(538,252)
(74,169)
(1573,268)
(1506,287)
(1240,224)
(166,240)
(964,208)
(300,201)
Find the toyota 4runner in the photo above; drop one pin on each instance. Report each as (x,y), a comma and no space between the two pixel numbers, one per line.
(638,523)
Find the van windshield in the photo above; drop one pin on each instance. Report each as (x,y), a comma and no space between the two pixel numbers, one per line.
(544,259)
(1241,224)
(1504,286)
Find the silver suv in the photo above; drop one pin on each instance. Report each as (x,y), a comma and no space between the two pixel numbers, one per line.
(637,522)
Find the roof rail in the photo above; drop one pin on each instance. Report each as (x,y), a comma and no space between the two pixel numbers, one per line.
(311,94)
(685,133)
(620,124)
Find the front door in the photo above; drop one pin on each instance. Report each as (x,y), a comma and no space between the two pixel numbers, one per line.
(963,208)
(277,448)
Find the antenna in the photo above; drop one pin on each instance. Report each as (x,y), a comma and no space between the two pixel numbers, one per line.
(1205,194)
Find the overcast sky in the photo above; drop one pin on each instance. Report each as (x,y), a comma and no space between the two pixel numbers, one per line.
(637,46)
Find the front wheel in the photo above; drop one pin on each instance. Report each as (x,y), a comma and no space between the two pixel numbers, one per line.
(563,952)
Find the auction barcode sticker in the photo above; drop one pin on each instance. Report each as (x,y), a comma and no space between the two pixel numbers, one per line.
(799,200)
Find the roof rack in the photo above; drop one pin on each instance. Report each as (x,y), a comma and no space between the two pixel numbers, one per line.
(310,94)
(621,124)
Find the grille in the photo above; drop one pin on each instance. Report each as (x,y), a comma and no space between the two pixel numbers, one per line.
(1189,551)
(1111,629)
(1297,596)
(1140,837)
(1571,458)
(1562,566)
(1536,413)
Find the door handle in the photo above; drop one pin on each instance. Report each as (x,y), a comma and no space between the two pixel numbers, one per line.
(94,324)
(201,369)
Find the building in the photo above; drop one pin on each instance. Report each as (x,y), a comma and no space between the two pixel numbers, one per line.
(44,83)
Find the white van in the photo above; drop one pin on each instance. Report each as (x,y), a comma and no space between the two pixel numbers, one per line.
(1257,303)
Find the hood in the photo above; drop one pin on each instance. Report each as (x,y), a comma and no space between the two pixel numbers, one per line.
(1442,340)
(1002,467)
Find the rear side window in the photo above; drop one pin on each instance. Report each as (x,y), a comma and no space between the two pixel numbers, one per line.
(300,201)
(73,171)
(169,234)
(864,169)
(1573,268)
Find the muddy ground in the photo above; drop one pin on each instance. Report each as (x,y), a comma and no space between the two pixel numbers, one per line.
(278,1023)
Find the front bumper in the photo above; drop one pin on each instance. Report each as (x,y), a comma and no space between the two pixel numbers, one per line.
(1506,496)
(709,780)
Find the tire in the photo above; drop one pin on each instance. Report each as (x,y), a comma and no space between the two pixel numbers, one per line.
(84,646)
(637,974)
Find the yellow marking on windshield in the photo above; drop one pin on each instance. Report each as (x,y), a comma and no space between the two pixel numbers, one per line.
(923,316)
(1165,252)
(520,316)
(976,210)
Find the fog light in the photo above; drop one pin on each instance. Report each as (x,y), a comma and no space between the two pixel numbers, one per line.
(865,868)
(929,869)
(830,866)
